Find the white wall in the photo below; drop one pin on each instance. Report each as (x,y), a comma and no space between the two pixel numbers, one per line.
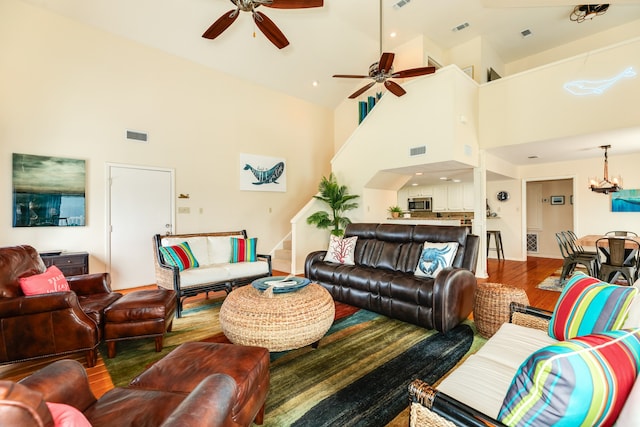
(534,106)
(428,114)
(586,44)
(71,90)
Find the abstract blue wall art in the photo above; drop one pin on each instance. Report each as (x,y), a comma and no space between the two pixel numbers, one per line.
(262,173)
(625,201)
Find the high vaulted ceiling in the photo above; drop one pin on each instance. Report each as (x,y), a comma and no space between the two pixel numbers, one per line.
(342,37)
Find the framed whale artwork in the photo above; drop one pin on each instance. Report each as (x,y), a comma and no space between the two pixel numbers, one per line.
(262,173)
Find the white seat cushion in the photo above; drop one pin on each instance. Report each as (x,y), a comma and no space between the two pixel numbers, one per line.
(247,269)
(480,383)
(483,379)
(204,274)
(513,344)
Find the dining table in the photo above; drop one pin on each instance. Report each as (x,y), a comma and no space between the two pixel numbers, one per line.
(590,240)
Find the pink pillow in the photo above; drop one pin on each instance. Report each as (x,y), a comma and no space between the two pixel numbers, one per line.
(67,416)
(50,281)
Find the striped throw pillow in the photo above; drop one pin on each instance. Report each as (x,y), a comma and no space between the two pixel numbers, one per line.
(584,381)
(243,250)
(588,306)
(179,256)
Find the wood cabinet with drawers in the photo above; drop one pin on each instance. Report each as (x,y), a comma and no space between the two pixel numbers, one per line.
(70,263)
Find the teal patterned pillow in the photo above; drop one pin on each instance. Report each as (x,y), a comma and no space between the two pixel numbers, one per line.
(584,381)
(179,256)
(435,257)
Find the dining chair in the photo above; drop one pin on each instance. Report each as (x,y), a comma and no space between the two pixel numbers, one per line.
(619,262)
(627,251)
(571,258)
(572,239)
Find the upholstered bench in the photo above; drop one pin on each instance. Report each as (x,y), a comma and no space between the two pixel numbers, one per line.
(139,314)
(185,367)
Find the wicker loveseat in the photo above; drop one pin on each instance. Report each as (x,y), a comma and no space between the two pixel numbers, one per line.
(473,394)
(382,277)
(215,271)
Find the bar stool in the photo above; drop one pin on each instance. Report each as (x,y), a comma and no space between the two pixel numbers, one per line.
(497,237)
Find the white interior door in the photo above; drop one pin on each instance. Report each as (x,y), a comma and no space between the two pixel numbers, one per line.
(140,205)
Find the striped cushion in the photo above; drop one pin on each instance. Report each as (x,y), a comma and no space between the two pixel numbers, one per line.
(580,382)
(243,250)
(179,256)
(588,305)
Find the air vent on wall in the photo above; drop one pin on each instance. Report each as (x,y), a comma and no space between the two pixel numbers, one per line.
(418,151)
(137,136)
(401,3)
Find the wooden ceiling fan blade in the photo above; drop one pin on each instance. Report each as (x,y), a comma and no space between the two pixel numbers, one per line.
(349,76)
(270,30)
(294,4)
(221,24)
(414,72)
(361,90)
(394,88)
(386,61)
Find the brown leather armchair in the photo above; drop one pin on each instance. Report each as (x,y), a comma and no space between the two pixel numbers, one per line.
(49,324)
(65,381)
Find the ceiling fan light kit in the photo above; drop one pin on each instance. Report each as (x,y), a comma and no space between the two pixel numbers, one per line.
(603,185)
(583,12)
(264,24)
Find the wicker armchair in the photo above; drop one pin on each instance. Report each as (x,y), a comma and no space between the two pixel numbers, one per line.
(430,407)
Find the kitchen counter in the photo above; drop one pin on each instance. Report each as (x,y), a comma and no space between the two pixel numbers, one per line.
(421,221)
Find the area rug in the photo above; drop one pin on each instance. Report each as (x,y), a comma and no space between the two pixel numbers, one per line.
(358,375)
(553,282)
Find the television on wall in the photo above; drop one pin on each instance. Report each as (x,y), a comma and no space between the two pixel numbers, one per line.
(48,191)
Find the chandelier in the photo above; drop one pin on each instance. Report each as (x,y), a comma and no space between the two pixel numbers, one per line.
(604,185)
(587,11)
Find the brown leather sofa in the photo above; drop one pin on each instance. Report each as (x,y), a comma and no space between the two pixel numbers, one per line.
(382,279)
(49,324)
(65,381)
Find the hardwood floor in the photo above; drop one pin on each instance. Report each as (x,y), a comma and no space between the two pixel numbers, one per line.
(522,274)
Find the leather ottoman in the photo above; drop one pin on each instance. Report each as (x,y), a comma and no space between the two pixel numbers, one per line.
(139,314)
(185,367)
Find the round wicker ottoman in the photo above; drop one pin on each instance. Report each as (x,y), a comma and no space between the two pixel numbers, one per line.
(491,306)
(278,322)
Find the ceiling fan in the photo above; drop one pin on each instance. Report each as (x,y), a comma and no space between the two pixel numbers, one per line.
(266,25)
(382,71)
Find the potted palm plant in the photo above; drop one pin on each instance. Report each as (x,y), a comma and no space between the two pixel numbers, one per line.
(394,211)
(339,200)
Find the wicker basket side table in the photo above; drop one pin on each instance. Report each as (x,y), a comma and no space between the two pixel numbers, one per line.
(491,306)
(279,322)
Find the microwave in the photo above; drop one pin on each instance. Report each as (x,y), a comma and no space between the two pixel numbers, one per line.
(419,204)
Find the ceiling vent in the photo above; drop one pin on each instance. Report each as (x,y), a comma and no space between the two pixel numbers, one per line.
(460,27)
(526,33)
(137,136)
(418,151)
(401,3)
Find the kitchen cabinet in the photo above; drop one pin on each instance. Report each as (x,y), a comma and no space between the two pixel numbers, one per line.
(439,203)
(468,197)
(453,198)
(421,191)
